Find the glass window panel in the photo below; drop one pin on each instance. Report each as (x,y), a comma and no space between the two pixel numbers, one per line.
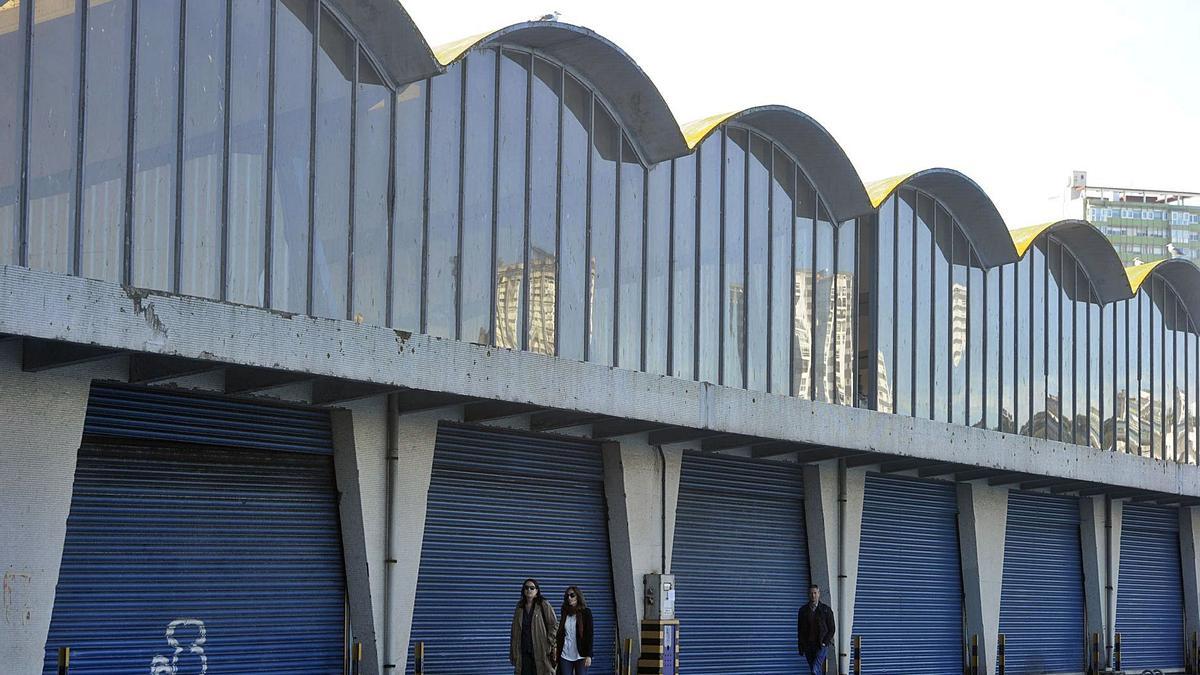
(290,161)
(1037,353)
(684,257)
(1053,318)
(942,313)
(845,302)
(1145,372)
(1192,451)
(629,264)
(885,298)
(1083,340)
(12,79)
(960,328)
(976,336)
(203,149)
(1170,395)
(1095,369)
(575,279)
(372,140)
(442,223)
(733,242)
(409,218)
(658,266)
(709,303)
(105,139)
(992,373)
(1108,357)
(606,153)
(510,199)
(249,90)
(1025,337)
(758,186)
(543,206)
(802,290)
(1067,340)
(54,134)
(479,137)
(902,389)
(1157,398)
(823,307)
(1008,348)
(783,188)
(1127,378)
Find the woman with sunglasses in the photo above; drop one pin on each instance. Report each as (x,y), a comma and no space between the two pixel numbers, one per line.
(531,648)
(573,644)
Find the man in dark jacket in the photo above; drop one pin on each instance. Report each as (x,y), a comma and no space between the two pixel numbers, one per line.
(815,631)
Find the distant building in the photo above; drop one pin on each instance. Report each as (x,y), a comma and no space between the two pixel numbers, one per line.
(1143,225)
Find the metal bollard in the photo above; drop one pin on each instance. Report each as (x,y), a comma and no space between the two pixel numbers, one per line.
(974,655)
(1117,651)
(1195,651)
(1000,655)
(356,659)
(628,656)
(419,659)
(856,653)
(64,660)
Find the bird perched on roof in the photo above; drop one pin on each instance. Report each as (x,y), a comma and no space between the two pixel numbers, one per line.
(552,16)
(1173,250)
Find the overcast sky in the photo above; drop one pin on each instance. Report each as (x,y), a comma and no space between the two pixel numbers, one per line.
(1014,94)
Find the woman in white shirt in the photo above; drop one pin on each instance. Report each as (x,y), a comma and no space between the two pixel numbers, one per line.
(574,640)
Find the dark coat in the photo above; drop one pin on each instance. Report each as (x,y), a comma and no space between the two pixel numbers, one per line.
(826,628)
(583,634)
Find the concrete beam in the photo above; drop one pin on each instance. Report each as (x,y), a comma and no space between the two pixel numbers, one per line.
(39,355)
(486,411)
(553,420)
(42,416)
(975,474)
(326,391)
(898,465)
(242,380)
(149,368)
(982,524)
(616,428)
(940,469)
(110,316)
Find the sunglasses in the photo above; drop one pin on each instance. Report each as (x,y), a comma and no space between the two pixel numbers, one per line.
(531,588)
(570,594)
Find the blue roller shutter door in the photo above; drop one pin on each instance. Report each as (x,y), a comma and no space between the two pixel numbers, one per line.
(503,507)
(1042,602)
(1150,589)
(740,561)
(908,607)
(230,551)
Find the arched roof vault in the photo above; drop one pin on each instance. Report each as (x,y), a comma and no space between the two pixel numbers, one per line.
(1183,275)
(821,157)
(623,84)
(389,34)
(1090,247)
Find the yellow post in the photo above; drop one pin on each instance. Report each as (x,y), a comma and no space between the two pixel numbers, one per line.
(64,660)
(1117,652)
(419,659)
(974,655)
(1000,655)
(856,653)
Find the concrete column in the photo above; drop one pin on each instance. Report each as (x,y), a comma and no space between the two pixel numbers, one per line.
(1100,538)
(411,469)
(982,519)
(641,521)
(41,416)
(1189,548)
(833,506)
(360,451)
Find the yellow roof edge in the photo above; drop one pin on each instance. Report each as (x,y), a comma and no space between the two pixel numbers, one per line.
(879,190)
(696,131)
(1023,237)
(451,51)
(1139,273)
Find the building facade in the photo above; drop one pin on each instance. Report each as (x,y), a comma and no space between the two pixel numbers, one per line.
(1145,225)
(316,342)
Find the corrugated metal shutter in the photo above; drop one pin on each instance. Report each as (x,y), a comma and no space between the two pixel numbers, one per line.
(157,415)
(740,561)
(502,507)
(1150,589)
(908,607)
(1041,601)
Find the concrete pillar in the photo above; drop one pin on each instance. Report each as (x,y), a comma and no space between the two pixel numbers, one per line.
(982,519)
(1189,548)
(360,451)
(41,427)
(833,549)
(411,469)
(1100,539)
(641,521)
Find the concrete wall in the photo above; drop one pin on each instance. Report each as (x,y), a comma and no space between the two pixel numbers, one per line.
(1189,550)
(982,523)
(641,532)
(41,426)
(1100,538)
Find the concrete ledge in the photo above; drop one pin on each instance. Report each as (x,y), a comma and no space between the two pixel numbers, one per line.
(57,307)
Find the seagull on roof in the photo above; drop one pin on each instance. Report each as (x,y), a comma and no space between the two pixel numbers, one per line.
(552,16)
(1174,251)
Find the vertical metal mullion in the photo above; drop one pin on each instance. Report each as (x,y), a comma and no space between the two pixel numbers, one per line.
(744,338)
(619,222)
(645,259)
(670,365)
(352,188)
(127,235)
(223,286)
(721,267)
(933,331)
(770,261)
(77,216)
(558,209)
(269,201)
(894,292)
(696,231)
(1000,350)
(462,163)
(493,285)
(180,103)
(812,282)
(912,394)
(588,285)
(1032,375)
(389,292)
(523,323)
(792,284)
(423,294)
(983,383)
(312,152)
(23,201)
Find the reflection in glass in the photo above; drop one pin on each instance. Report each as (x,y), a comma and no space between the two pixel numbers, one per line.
(372,129)
(733,300)
(1145,372)
(409,215)
(845,318)
(658,267)
(54,135)
(203,149)
(824,287)
(942,228)
(1008,348)
(442,221)
(683,268)
(290,164)
(12,79)
(247,215)
(630,235)
(758,185)
(575,280)
(709,303)
(783,187)
(543,204)
(510,199)
(960,333)
(479,137)
(1107,358)
(922,308)
(1167,388)
(902,388)
(1039,310)
(992,359)
(1024,311)
(976,353)
(1066,313)
(606,153)
(802,289)
(1192,451)
(105,139)
(1053,340)
(885,286)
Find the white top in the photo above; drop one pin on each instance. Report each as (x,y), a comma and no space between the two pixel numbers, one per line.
(570,650)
